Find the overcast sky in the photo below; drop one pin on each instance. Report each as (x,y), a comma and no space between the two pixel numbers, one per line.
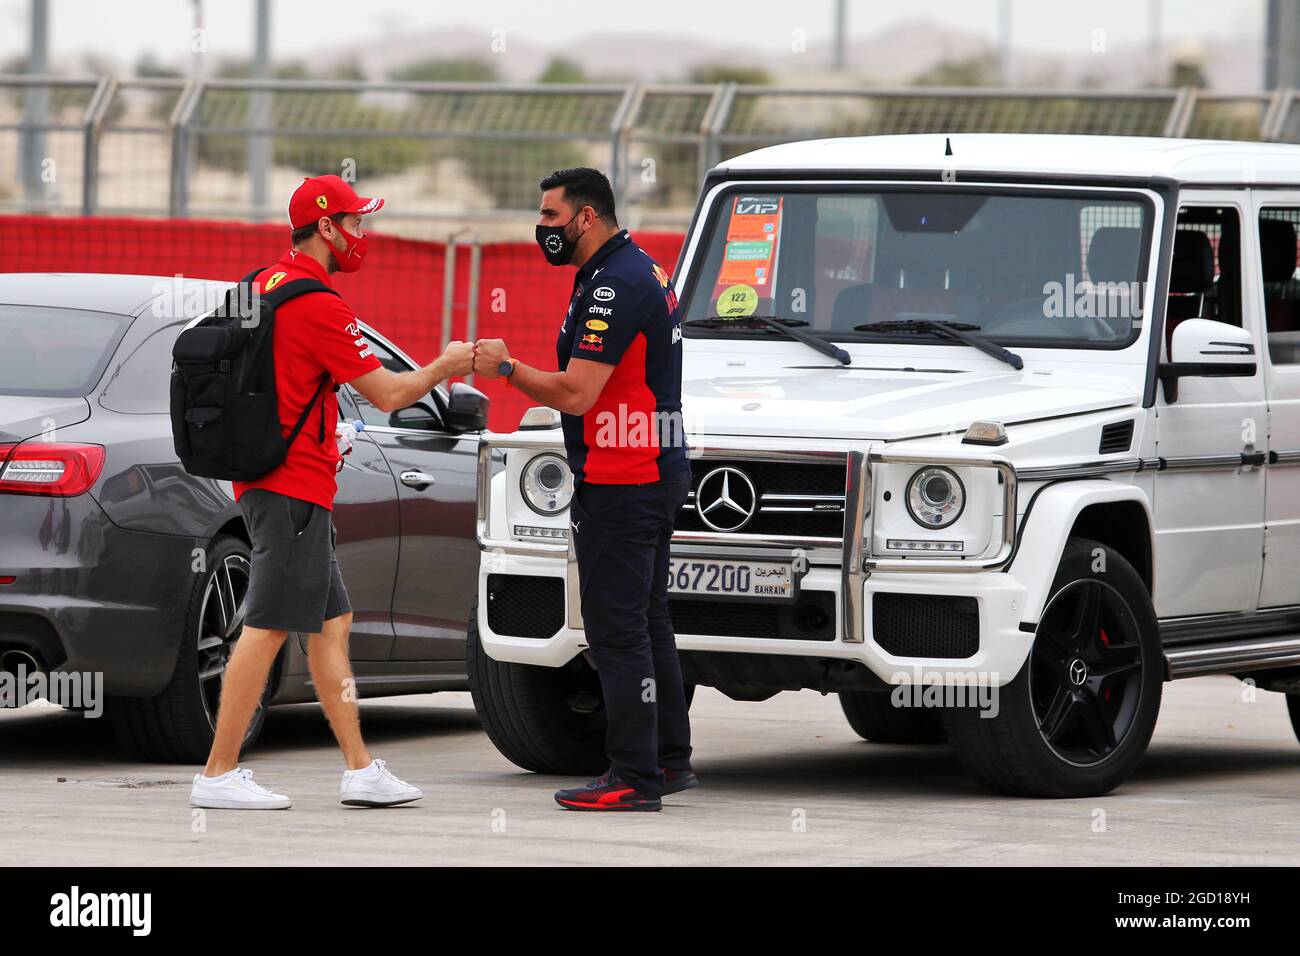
(128,28)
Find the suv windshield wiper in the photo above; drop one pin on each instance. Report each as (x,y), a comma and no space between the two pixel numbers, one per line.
(790,328)
(959,331)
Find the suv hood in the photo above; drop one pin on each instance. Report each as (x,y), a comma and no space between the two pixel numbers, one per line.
(22,416)
(888,404)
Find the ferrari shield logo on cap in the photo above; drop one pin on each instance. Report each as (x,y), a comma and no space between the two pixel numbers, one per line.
(322,202)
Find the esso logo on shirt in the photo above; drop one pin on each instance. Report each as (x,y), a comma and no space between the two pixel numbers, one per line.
(603,294)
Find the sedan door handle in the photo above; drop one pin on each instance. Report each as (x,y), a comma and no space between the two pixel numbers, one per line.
(417,479)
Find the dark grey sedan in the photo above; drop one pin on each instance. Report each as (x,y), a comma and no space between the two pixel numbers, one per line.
(114,560)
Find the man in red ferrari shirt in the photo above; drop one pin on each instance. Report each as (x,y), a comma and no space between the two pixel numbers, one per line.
(295,584)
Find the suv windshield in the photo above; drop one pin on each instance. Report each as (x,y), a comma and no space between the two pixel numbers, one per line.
(1015,266)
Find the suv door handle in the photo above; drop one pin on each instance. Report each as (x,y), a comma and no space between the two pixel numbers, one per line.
(418,480)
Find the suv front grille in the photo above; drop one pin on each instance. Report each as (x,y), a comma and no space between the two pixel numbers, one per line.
(923,625)
(811,618)
(524,605)
(793,499)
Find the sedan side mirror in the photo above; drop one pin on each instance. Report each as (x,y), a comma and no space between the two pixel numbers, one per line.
(418,415)
(1207,349)
(467,408)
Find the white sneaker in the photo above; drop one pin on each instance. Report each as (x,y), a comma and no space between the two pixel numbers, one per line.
(375,786)
(235,791)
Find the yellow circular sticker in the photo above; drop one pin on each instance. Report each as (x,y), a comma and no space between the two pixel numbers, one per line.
(597,325)
(738,299)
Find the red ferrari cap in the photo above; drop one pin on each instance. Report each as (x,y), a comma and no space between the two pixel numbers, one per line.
(327,196)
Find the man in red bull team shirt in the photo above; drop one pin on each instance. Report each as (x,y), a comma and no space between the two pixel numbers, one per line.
(295,584)
(619,391)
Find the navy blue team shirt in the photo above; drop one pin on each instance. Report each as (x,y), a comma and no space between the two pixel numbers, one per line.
(623,312)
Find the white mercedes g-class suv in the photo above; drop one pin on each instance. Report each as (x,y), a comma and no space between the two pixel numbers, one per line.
(991,435)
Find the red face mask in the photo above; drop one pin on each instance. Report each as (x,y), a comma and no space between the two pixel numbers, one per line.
(349,259)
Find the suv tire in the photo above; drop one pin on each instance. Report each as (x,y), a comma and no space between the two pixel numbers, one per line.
(1077,719)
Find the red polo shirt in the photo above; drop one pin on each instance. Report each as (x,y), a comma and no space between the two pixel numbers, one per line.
(315,334)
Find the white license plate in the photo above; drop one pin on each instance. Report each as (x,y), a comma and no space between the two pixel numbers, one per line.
(709,577)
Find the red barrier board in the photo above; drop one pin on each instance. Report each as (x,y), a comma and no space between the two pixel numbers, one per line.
(399,291)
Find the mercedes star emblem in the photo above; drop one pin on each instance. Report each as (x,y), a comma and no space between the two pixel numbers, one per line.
(726,499)
(1078,671)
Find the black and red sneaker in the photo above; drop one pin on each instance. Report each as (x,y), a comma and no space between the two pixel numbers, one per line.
(675,781)
(606,792)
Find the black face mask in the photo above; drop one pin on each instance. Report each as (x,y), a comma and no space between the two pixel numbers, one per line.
(556,245)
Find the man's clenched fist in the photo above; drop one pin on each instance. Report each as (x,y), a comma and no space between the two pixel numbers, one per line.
(459,357)
(488,356)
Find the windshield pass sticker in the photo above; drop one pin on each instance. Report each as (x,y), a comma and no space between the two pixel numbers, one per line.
(737,300)
(750,253)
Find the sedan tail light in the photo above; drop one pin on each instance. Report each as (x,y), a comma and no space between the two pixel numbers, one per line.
(49,468)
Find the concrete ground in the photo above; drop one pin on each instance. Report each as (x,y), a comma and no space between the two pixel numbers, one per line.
(785,782)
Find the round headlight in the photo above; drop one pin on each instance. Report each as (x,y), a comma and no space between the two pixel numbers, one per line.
(935,497)
(547,484)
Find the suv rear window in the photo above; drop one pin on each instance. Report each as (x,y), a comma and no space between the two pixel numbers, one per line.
(55,352)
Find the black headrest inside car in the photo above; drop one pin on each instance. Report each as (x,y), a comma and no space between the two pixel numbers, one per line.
(1277,249)
(1193,269)
(1113,254)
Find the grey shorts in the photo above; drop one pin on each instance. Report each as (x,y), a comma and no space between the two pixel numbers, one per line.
(295,583)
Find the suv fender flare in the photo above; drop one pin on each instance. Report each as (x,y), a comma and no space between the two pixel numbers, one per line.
(1046,526)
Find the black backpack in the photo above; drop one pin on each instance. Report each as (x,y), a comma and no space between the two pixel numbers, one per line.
(225,418)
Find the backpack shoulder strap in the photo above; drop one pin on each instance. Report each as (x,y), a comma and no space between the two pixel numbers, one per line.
(276,298)
(302,419)
(291,290)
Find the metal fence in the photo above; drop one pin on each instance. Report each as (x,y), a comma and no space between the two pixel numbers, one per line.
(456,153)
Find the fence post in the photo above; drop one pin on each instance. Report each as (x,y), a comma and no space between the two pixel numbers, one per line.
(471,305)
(448,289)
(32,151)
(259,145)
(1180,116)
(179,199)
(1279,105)
(715,118)
(619,127)
(91,126)
(36,109)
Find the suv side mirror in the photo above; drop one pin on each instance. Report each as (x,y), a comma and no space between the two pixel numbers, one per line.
(467,408)
(1206,349)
